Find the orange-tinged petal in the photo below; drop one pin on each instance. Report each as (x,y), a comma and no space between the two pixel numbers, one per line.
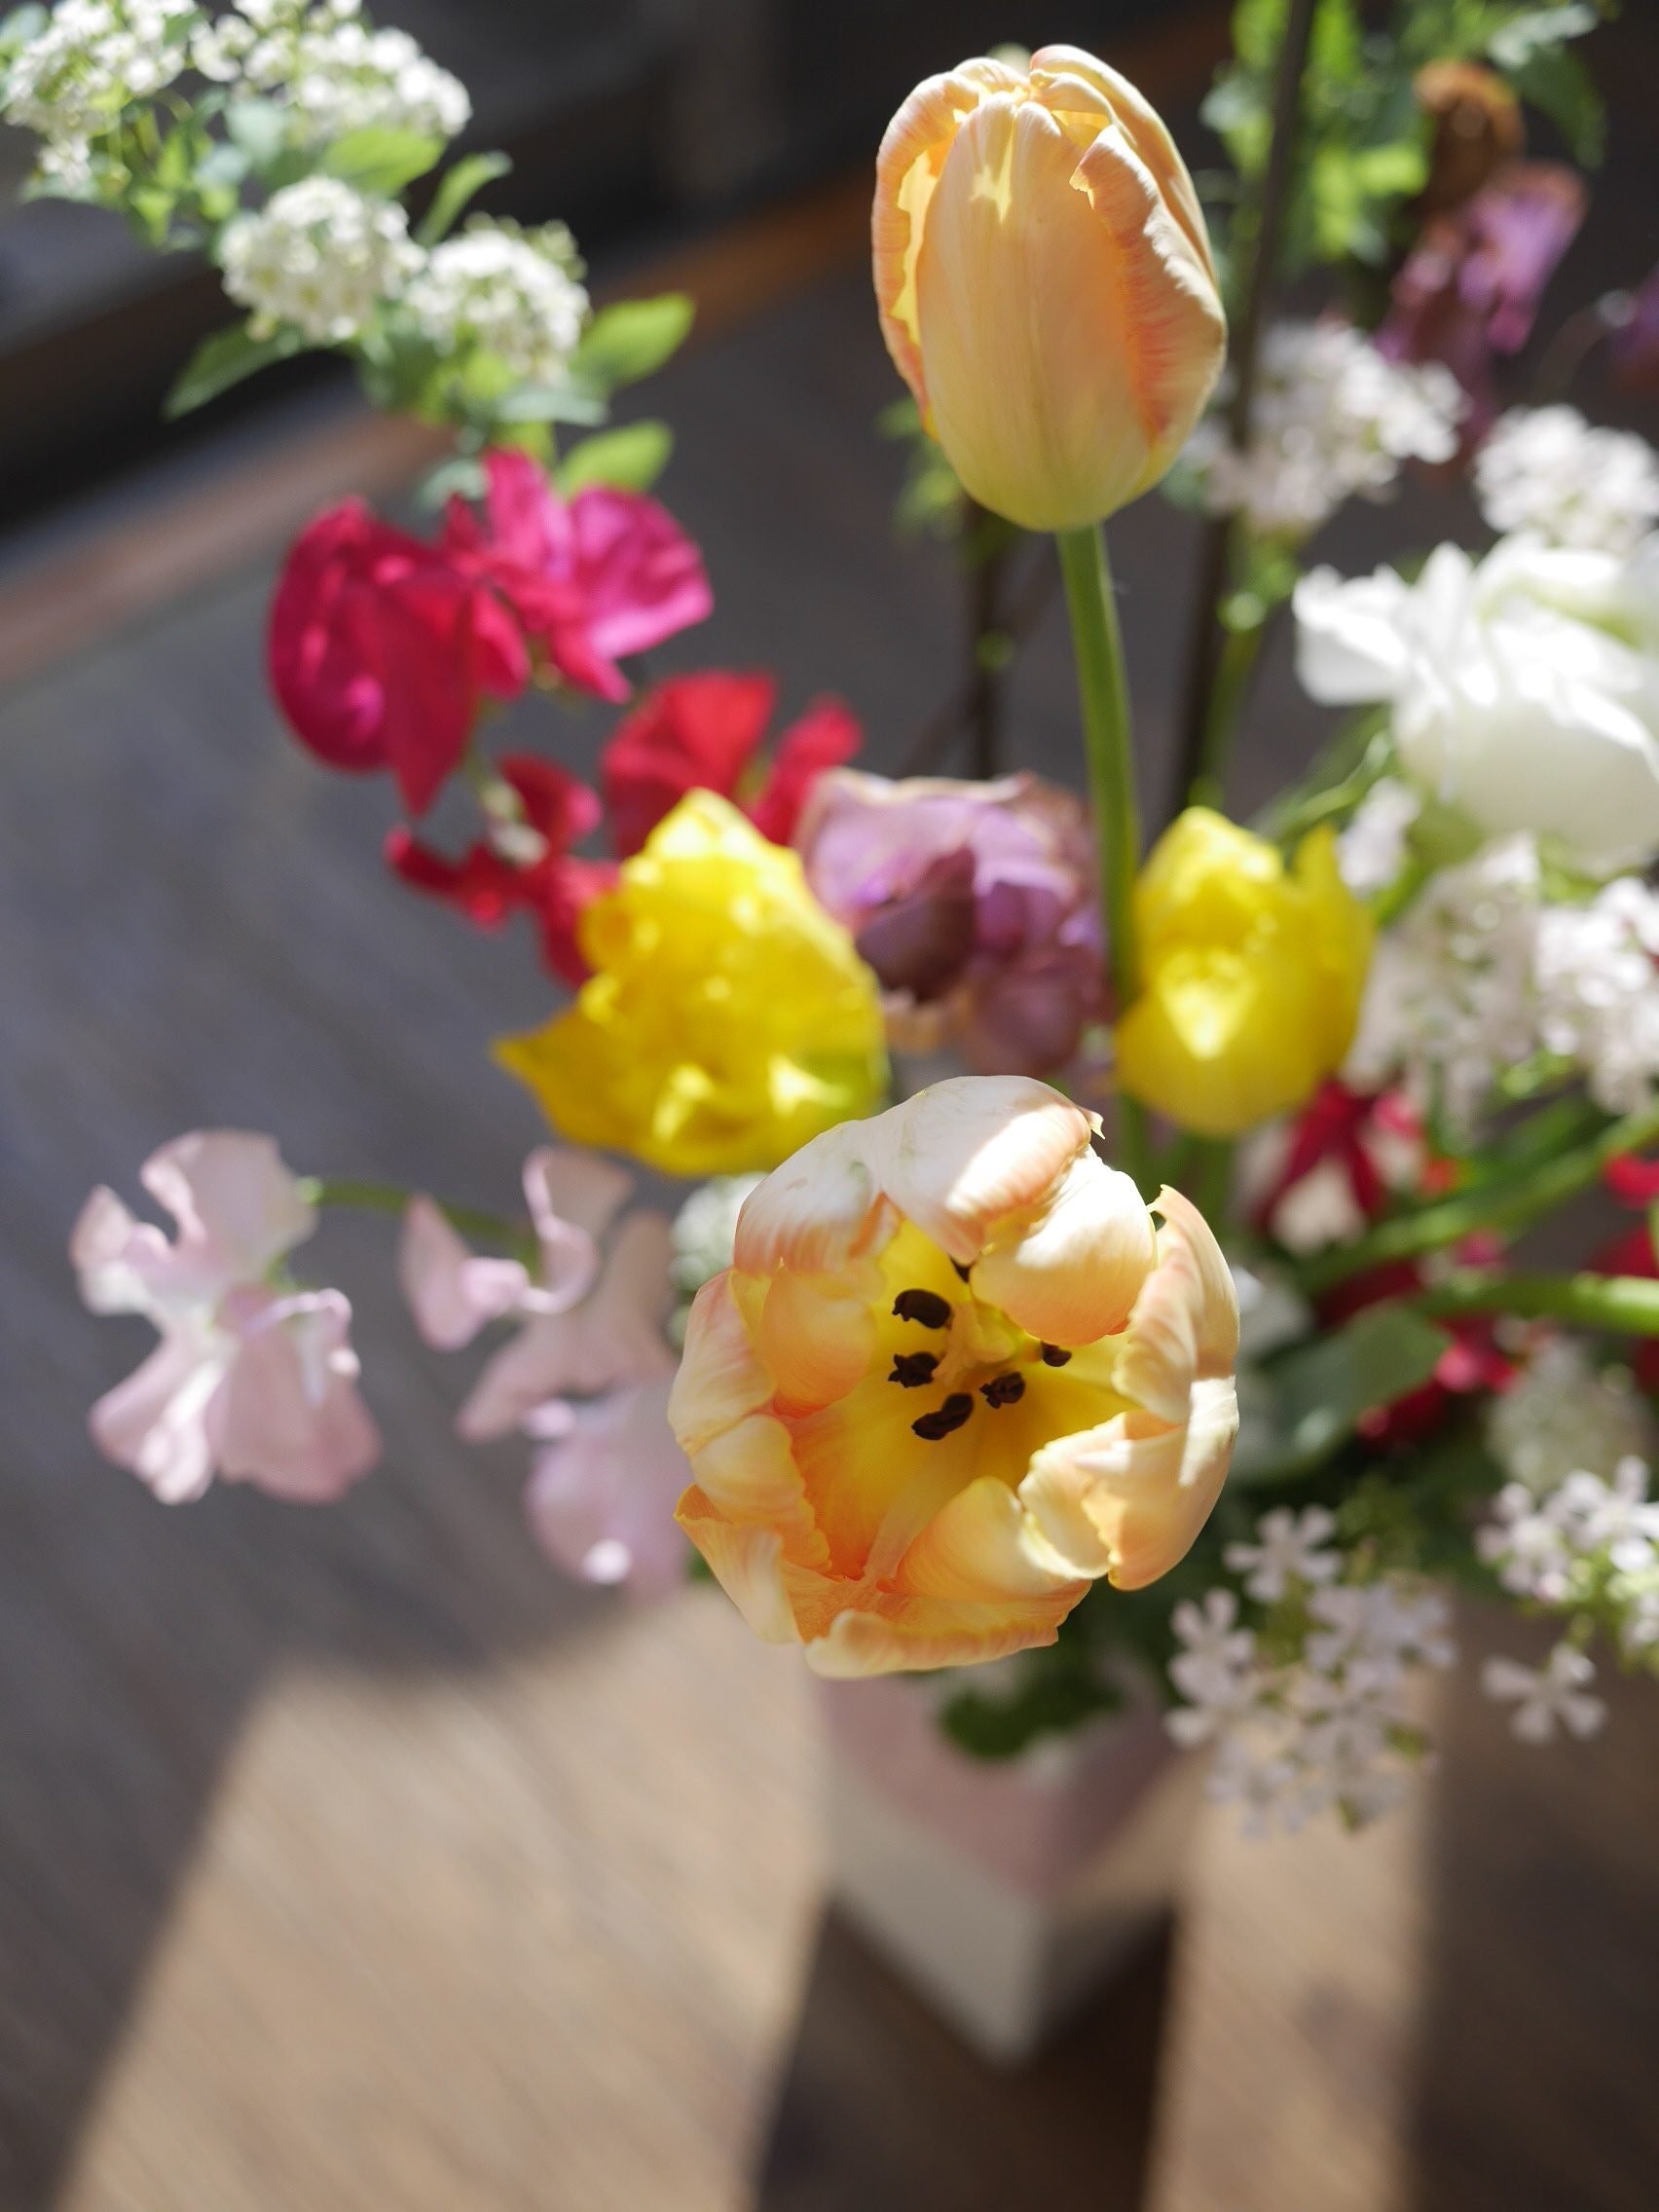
(1216,1335)
(817,1334)
(1071,1271)
(896,1633)
(746,1564)
(722,1378)
(979,1548)
(750,1477)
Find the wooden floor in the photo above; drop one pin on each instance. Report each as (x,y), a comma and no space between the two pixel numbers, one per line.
(351,1859)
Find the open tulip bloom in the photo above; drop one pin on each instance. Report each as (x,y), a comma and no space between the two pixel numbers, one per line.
(945,1380)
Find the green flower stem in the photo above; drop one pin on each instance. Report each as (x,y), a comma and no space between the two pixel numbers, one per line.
(1236,665)
(392,1197)
(1510,1203)
(1627,1303)
(1098,649)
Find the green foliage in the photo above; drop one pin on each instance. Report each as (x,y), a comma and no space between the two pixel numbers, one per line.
(224,359)
(630,459)
(379,160)
(1053,1690)
(632,339)
(1316,1394)
(456,191)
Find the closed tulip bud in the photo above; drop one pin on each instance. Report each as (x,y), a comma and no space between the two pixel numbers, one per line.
(1251,975)
(1045,284)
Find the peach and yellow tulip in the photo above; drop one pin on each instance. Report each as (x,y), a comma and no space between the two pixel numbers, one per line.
(1045,284)
(1251,974)
(957,1371)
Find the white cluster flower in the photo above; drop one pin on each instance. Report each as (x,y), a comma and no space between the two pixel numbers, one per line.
(1562,1416)
(333,71)
(318,255)
(509,291)
(1327,1727)
(1547,469)
(1371,851)
(1484,973)
(1332,417)
(1289,1549)
(1547,1699)
(705,1230)
(1559,1548)
(91,59)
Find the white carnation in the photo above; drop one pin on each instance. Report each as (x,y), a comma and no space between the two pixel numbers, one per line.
(321,256)
(507,291)
(1547,469)
(1332,417)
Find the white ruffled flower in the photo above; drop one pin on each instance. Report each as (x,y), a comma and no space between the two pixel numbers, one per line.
(333,71)
(1287,1551)
(1550,1698)
(1331,417)
(1561,1415)
(91,59)
(507,291)
(1372,850)
(1525,687)
(321,256)
(1547,469)
(1599,991)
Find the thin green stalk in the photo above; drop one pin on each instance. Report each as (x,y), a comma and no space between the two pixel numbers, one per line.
(391,1197)
(1235,670)
(1627,1303)
(1098,649)
(1510,1203)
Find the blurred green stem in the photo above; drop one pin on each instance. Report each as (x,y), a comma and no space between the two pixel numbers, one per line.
(391,1197)
(1627,1303)
(1108,743)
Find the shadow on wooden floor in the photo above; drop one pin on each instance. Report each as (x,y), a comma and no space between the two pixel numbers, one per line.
(882,2108)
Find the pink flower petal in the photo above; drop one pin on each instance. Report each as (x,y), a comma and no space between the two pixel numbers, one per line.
(602,1495)
(287,1416)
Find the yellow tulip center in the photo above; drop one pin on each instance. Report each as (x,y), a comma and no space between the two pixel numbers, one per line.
(955,1390)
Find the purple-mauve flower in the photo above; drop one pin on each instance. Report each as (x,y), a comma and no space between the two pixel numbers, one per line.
(974,904)
(252,1380)
(1471,286)
(1633,347)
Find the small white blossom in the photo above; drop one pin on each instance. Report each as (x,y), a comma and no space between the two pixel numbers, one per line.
(1287,1550)
(1547,469)
(1599,991)
(705,1230)
(1561,1415)
(333,71)
(1548,1698)
(91,59)
(1528,1546)
(508,291)
(1372,850)
(1332,417)
(318,255)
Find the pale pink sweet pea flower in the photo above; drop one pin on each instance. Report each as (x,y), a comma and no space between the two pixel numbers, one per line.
(586,1372)
(251,1381)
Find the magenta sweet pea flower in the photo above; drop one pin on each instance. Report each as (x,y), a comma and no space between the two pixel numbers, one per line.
(593,579)
(251,1380)
(974,904)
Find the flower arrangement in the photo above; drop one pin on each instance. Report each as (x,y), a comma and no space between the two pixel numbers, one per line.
(1192,1326)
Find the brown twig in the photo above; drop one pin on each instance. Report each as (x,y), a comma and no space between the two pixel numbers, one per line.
(1023,611)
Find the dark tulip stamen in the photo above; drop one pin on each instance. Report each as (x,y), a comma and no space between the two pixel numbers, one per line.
(923,1306)
(1003,1389)
(943,1419)
(1056,1355)
(911,1369)
(962,1271)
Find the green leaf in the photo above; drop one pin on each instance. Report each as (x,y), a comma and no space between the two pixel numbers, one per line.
(547,403)
(260,129)
(223,360)
(1314,1398)
(378,160)
(1558,85)
(455,189)
(631,458)
(633,339)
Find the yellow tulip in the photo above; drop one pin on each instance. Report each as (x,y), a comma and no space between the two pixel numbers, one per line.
(956,1372)
(728,1019)
(1045,284)
(1251,974)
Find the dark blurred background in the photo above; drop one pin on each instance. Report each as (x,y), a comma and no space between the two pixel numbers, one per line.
(353,1858)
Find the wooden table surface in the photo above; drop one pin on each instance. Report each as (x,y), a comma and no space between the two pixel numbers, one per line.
(352,1858)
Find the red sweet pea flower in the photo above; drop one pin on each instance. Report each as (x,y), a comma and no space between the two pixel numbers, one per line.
(606,574)
(703,733)
(1635,1183)
(379,650)
(540,877)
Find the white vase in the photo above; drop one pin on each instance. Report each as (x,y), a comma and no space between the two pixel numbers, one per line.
(1004,1891)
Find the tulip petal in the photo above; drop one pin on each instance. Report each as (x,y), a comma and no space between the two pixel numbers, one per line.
(722,1378)
(895,1633)
(817,1334)
(979,1548)
(1072,1270)
(745,1561)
